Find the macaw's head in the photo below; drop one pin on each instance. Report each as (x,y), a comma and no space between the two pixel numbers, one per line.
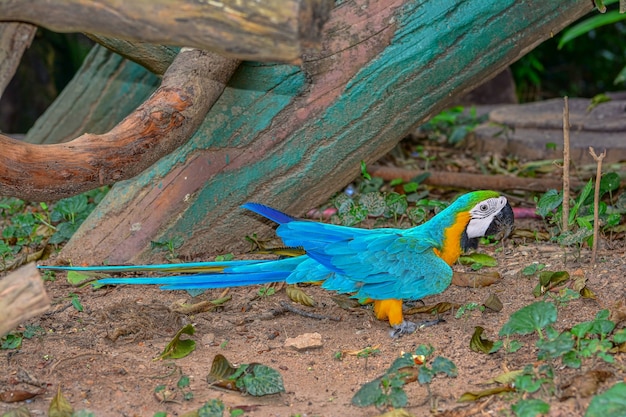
(490,215)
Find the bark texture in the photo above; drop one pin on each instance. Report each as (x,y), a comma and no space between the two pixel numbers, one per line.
(291,136)
(268,30)
(159,126)
(22,296)
(14,39)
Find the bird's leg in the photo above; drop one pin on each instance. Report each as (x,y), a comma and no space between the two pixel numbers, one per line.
(391,310)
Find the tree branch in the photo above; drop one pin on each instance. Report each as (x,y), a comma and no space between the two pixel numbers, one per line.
(166,120)
(268,30)
(14,39)
(466,180)
(154,58)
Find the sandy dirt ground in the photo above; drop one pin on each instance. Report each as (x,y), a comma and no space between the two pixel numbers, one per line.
(103,357)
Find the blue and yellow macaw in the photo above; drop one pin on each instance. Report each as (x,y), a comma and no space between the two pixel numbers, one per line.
(385,265)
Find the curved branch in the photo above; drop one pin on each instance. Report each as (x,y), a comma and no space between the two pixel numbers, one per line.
(166,120)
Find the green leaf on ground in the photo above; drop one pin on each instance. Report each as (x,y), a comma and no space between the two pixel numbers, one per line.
(59,406)
(533,317)
(532,269)
(213,408)
(477,395)
(530,408)
(179,348)
(259,380)
(12,341)
(478,344)
(443,365)
(620,336)
(255,379)
(76,278)
(555,347)
(611,403)
(549,202)
(478,258)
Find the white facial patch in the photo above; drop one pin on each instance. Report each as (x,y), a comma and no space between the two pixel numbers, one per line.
(482,214)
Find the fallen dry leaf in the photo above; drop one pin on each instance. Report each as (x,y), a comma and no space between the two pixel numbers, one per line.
(584,385)
(475,279)
(14,396)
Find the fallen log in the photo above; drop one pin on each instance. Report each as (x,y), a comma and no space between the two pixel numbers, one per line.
(469,181)
(22,296)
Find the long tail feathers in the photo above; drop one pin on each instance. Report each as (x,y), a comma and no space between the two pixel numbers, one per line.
(197,281)
(192,267)
(214,275)
(205,274)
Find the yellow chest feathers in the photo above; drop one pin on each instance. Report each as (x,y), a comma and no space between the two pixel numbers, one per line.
(451,248)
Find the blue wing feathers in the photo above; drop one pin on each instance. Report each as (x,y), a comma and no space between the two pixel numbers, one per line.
(272,214)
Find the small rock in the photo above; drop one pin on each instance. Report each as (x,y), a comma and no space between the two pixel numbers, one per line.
(305,341)
(208,339)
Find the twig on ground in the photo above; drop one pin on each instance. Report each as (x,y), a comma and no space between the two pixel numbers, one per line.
(596,202)
(467,180)
(303,313)
(566,179)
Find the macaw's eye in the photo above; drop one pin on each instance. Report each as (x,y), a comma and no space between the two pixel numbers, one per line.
(484,207)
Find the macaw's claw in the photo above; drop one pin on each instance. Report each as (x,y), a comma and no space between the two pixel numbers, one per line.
(408,327)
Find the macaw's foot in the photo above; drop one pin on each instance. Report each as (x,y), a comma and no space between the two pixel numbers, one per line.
(408,327)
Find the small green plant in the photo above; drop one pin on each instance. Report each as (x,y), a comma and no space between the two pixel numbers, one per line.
(212,408)
(68,214)
(76,302)
(49,275)
(169,245)
(225,257)
(468,307)
(532,269)
(183,386)
(265,292)
(532,318)
(586,340)
(580,220)
(367,352)
(591,24)
(452,125)
(610,403)
(14,339)
(532,380)
(388,390)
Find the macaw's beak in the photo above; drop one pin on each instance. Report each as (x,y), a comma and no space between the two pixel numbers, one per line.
(501,227)
(502,224)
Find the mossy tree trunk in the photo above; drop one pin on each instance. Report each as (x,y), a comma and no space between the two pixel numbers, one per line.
(290,136)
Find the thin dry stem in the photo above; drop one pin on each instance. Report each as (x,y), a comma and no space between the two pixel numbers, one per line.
(566,179)
(596,202)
